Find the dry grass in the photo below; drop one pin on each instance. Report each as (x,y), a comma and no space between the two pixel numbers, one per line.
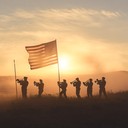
(51,111)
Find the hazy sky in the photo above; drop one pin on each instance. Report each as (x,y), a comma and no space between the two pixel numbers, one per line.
(91,34)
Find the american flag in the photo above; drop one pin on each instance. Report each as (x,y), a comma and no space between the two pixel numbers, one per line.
(42,55)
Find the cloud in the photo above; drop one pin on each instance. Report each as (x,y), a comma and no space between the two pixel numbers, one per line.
(110,14)
(23,14)
(77,21)
(58,17)
(80,32)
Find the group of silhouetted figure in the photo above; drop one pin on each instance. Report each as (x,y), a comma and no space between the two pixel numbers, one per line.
(24,84)
(89,84)
(63,87)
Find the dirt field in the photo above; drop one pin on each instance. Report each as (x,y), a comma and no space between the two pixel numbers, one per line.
(53,112)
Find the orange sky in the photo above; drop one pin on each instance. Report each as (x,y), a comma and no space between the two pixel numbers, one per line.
(90,39)
(81,57)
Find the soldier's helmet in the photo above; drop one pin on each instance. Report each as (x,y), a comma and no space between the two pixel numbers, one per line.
(103,78)
(41,80)
(64,80)
(90,79)
(25,77)
(77,78)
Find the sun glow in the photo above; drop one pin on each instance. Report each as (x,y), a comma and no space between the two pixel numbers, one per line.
(64,63)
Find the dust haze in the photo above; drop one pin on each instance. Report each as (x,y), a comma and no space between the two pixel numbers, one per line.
(116,82)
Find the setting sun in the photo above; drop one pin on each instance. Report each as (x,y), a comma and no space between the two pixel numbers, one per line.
(64,63)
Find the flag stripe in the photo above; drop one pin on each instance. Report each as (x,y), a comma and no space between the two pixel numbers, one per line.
(42,55)
(41,61)
(36,64)
(37,54)
(39,66)
(39,45)
(30,51)
(42,58)
(43,65)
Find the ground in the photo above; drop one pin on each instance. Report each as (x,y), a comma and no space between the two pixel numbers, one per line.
(53,112)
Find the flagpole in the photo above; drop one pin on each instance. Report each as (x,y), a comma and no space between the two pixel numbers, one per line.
(58,66)
(58,75)
(15,79)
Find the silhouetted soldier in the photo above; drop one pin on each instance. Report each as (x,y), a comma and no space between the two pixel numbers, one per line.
(102,84)
(89,85)
(63,85)
(103,90)
(40,86)
(24,84)
(77,83)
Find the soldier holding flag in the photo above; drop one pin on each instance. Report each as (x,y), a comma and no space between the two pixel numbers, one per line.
(24,84)
(63,85)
